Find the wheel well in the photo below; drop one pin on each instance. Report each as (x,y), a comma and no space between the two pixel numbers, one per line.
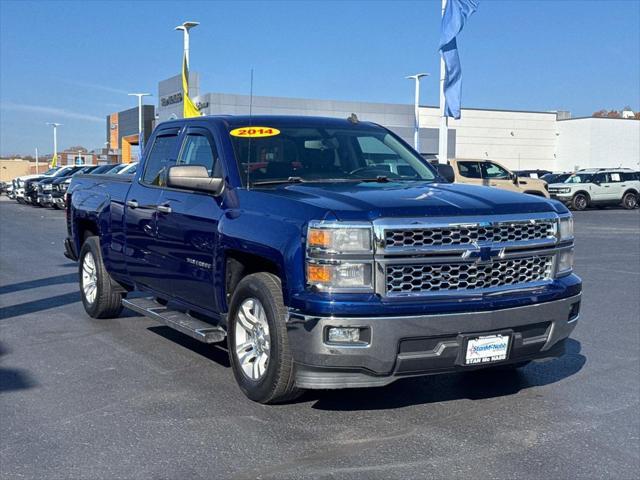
(630,190)
(240,264)
(86,229)
(583,193)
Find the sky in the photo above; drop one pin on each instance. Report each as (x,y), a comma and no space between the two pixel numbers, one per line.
(75,62)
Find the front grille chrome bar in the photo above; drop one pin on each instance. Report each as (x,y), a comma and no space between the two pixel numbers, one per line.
(460,256)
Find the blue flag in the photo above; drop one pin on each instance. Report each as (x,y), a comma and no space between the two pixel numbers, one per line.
(455,15)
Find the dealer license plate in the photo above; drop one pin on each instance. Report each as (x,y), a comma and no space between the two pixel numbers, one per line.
(487,349)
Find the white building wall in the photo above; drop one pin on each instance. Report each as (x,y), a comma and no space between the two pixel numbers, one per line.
(598,143)
(518,140)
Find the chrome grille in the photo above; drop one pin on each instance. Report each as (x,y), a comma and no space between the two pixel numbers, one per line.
(469,234)
(437,277)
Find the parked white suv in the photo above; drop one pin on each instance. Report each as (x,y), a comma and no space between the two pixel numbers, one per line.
(598,187)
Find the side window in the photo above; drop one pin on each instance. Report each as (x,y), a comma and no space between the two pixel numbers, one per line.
(615,177)
(470,169)
(198,150)
(158,159)
(491,170)
(600,178)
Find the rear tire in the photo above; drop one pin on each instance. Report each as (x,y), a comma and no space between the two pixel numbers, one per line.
(579,201)
(257,327)
(101,296)
(630,201)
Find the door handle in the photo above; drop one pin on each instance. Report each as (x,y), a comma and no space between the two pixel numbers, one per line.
(132,204)
(164,208)
(606,186)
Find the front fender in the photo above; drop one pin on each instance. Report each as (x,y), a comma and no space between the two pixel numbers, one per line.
(277,239)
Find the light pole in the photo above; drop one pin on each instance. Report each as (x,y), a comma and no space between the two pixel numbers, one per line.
(185,27)
(55,126)
(140,95)
(416,131)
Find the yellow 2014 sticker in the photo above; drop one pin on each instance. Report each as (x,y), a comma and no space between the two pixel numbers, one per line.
(253,132)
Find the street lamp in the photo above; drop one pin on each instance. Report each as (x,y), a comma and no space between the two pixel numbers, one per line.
(140,95)
(55,126)
(416,131)
(185,27)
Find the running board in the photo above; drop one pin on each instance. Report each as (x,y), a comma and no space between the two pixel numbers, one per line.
(202,331)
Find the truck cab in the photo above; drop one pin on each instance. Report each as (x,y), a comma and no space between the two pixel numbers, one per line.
(325,252)
(490,173)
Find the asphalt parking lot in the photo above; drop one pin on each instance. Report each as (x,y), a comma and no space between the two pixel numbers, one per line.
(128,398)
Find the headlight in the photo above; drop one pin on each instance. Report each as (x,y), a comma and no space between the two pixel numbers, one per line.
(339,239)
(565,262)
(566,228)
(326,267)
(339,275)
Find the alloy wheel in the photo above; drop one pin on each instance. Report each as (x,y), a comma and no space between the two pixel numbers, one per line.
(252,340)
(89,278)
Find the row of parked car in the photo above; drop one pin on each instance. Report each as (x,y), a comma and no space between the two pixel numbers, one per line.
(48,189)
(595,187)
(578,190)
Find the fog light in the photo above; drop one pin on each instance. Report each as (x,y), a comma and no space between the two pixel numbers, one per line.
(344,335)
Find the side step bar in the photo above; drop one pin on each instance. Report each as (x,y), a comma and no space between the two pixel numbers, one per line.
(182,322)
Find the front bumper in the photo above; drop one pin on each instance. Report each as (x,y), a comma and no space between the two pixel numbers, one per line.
(422,345)
(45,198)
(562,197)
(58,200)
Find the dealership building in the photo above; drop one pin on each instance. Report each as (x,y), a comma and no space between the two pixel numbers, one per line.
(122,134)
(520,140)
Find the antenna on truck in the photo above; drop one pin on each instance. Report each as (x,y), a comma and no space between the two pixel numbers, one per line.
(250,125)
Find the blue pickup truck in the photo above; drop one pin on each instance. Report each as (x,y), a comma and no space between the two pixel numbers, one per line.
(326,252)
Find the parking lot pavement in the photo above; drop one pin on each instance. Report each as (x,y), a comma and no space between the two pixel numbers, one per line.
(127,398)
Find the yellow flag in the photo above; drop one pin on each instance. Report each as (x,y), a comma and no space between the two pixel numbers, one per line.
(188,107)
(54,160)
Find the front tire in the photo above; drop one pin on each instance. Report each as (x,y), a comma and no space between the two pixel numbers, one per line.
(258,341)
(630,201)
(101,296)
(579,202)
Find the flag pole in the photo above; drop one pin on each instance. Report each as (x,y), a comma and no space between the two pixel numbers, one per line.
(443,134)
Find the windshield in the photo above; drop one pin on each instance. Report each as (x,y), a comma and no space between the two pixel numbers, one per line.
(63,172)
(51,171)
(102,169)
(303,154)
(579,178)
(117,168)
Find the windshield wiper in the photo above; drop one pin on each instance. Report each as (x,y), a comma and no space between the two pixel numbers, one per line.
(282,180)
(379,179)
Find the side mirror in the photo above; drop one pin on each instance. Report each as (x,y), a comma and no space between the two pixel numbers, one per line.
(194,177)
(445,171)
(514,177)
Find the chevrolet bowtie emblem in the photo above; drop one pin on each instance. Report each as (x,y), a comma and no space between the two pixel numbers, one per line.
(484,254)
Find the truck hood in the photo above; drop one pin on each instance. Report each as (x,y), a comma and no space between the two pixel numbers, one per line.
(360,201)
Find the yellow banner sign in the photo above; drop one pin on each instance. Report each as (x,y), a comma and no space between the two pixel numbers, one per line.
(253,132)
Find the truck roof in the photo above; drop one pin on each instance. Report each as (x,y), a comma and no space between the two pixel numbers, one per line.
(264,120)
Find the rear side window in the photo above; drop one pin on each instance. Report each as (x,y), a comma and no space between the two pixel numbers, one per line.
(198,150)
(470,169)
(159,159)
(630,176)
(615,177)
